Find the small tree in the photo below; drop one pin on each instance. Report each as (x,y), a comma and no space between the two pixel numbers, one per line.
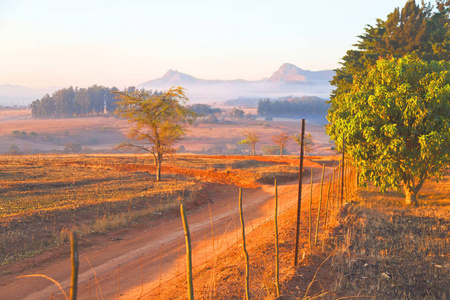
(237,113)
(251,138)
(307,142)
(396,123)
(72,147)
(13,150)
(281,140)
(159,121)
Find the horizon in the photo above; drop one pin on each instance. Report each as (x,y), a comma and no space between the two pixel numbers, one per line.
(110,43)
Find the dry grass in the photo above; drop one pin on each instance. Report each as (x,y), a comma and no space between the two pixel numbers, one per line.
(103,133)
(42,198)
(391,251)
(224,277)
(376,248)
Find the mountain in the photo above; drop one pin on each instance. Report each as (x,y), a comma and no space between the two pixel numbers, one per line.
(175,78)
(291,73)
(287,80)
(172,78)
(19,95)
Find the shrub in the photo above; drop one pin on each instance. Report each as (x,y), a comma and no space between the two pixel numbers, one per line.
(72,147)
(14,150)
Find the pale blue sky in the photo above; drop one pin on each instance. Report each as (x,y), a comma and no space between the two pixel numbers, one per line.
(111,42)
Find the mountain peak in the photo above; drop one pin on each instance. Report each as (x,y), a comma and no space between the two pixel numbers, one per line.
(288,73)
(171,73)
(292,74)
(171,78)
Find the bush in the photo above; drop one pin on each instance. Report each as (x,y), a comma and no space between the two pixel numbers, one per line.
(272,150)
(13,150)
(72,147)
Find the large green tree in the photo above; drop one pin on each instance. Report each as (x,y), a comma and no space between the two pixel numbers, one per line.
(158,120)
(420,30)
(396,122)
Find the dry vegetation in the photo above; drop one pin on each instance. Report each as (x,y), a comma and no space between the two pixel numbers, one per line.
(376,248)
(101,134)
(42,198)
(391,251)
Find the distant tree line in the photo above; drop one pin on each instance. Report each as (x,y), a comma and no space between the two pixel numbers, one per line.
(293,106)
(204,109)
(75,102)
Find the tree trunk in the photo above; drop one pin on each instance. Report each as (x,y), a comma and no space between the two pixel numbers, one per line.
(158,167)
(281,151)
(253,149)
(410,196)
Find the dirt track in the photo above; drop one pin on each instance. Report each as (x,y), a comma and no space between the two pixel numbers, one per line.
(128,263)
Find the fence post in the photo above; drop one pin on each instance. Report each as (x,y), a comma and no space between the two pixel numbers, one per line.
(75,264)
(320,205)
(328,198)
(247,271)
(342,170)
(277,264)
(188,253)
(299,201)
(310,209)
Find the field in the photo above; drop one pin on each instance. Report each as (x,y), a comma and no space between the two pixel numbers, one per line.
(102,134)
(42,197)
(373,246)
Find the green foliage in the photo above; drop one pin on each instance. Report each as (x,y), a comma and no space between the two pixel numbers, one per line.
(237,114)
(396,122)
(308,143)
(293,106)
(203,109)
(158,120)
(251,138)
(415,30)
(70,102)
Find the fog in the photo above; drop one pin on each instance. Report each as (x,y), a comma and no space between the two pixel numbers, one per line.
(219,92)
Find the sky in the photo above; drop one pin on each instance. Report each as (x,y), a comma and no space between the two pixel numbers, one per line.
(122,43)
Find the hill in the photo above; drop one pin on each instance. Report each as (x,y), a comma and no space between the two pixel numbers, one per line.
(287,80)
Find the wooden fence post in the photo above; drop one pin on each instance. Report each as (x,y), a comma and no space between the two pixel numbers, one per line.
(342,170)
(247,269)
(75,264)
(320,205)
(299,200)
(277,264)
(188,253)
(310,211)
(328,199)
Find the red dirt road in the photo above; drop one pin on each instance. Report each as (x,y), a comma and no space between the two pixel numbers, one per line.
(132,262)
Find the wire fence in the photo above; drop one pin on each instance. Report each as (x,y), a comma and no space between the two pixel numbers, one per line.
(158,267)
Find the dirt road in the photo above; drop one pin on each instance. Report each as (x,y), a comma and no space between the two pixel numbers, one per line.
(136,262)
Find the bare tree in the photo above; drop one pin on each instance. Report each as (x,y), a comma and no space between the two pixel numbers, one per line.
(281,140)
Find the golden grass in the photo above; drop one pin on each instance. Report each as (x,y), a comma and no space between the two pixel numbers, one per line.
(391,251)
(43,197)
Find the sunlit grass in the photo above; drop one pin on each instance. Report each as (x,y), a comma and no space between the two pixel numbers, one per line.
(392,251)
